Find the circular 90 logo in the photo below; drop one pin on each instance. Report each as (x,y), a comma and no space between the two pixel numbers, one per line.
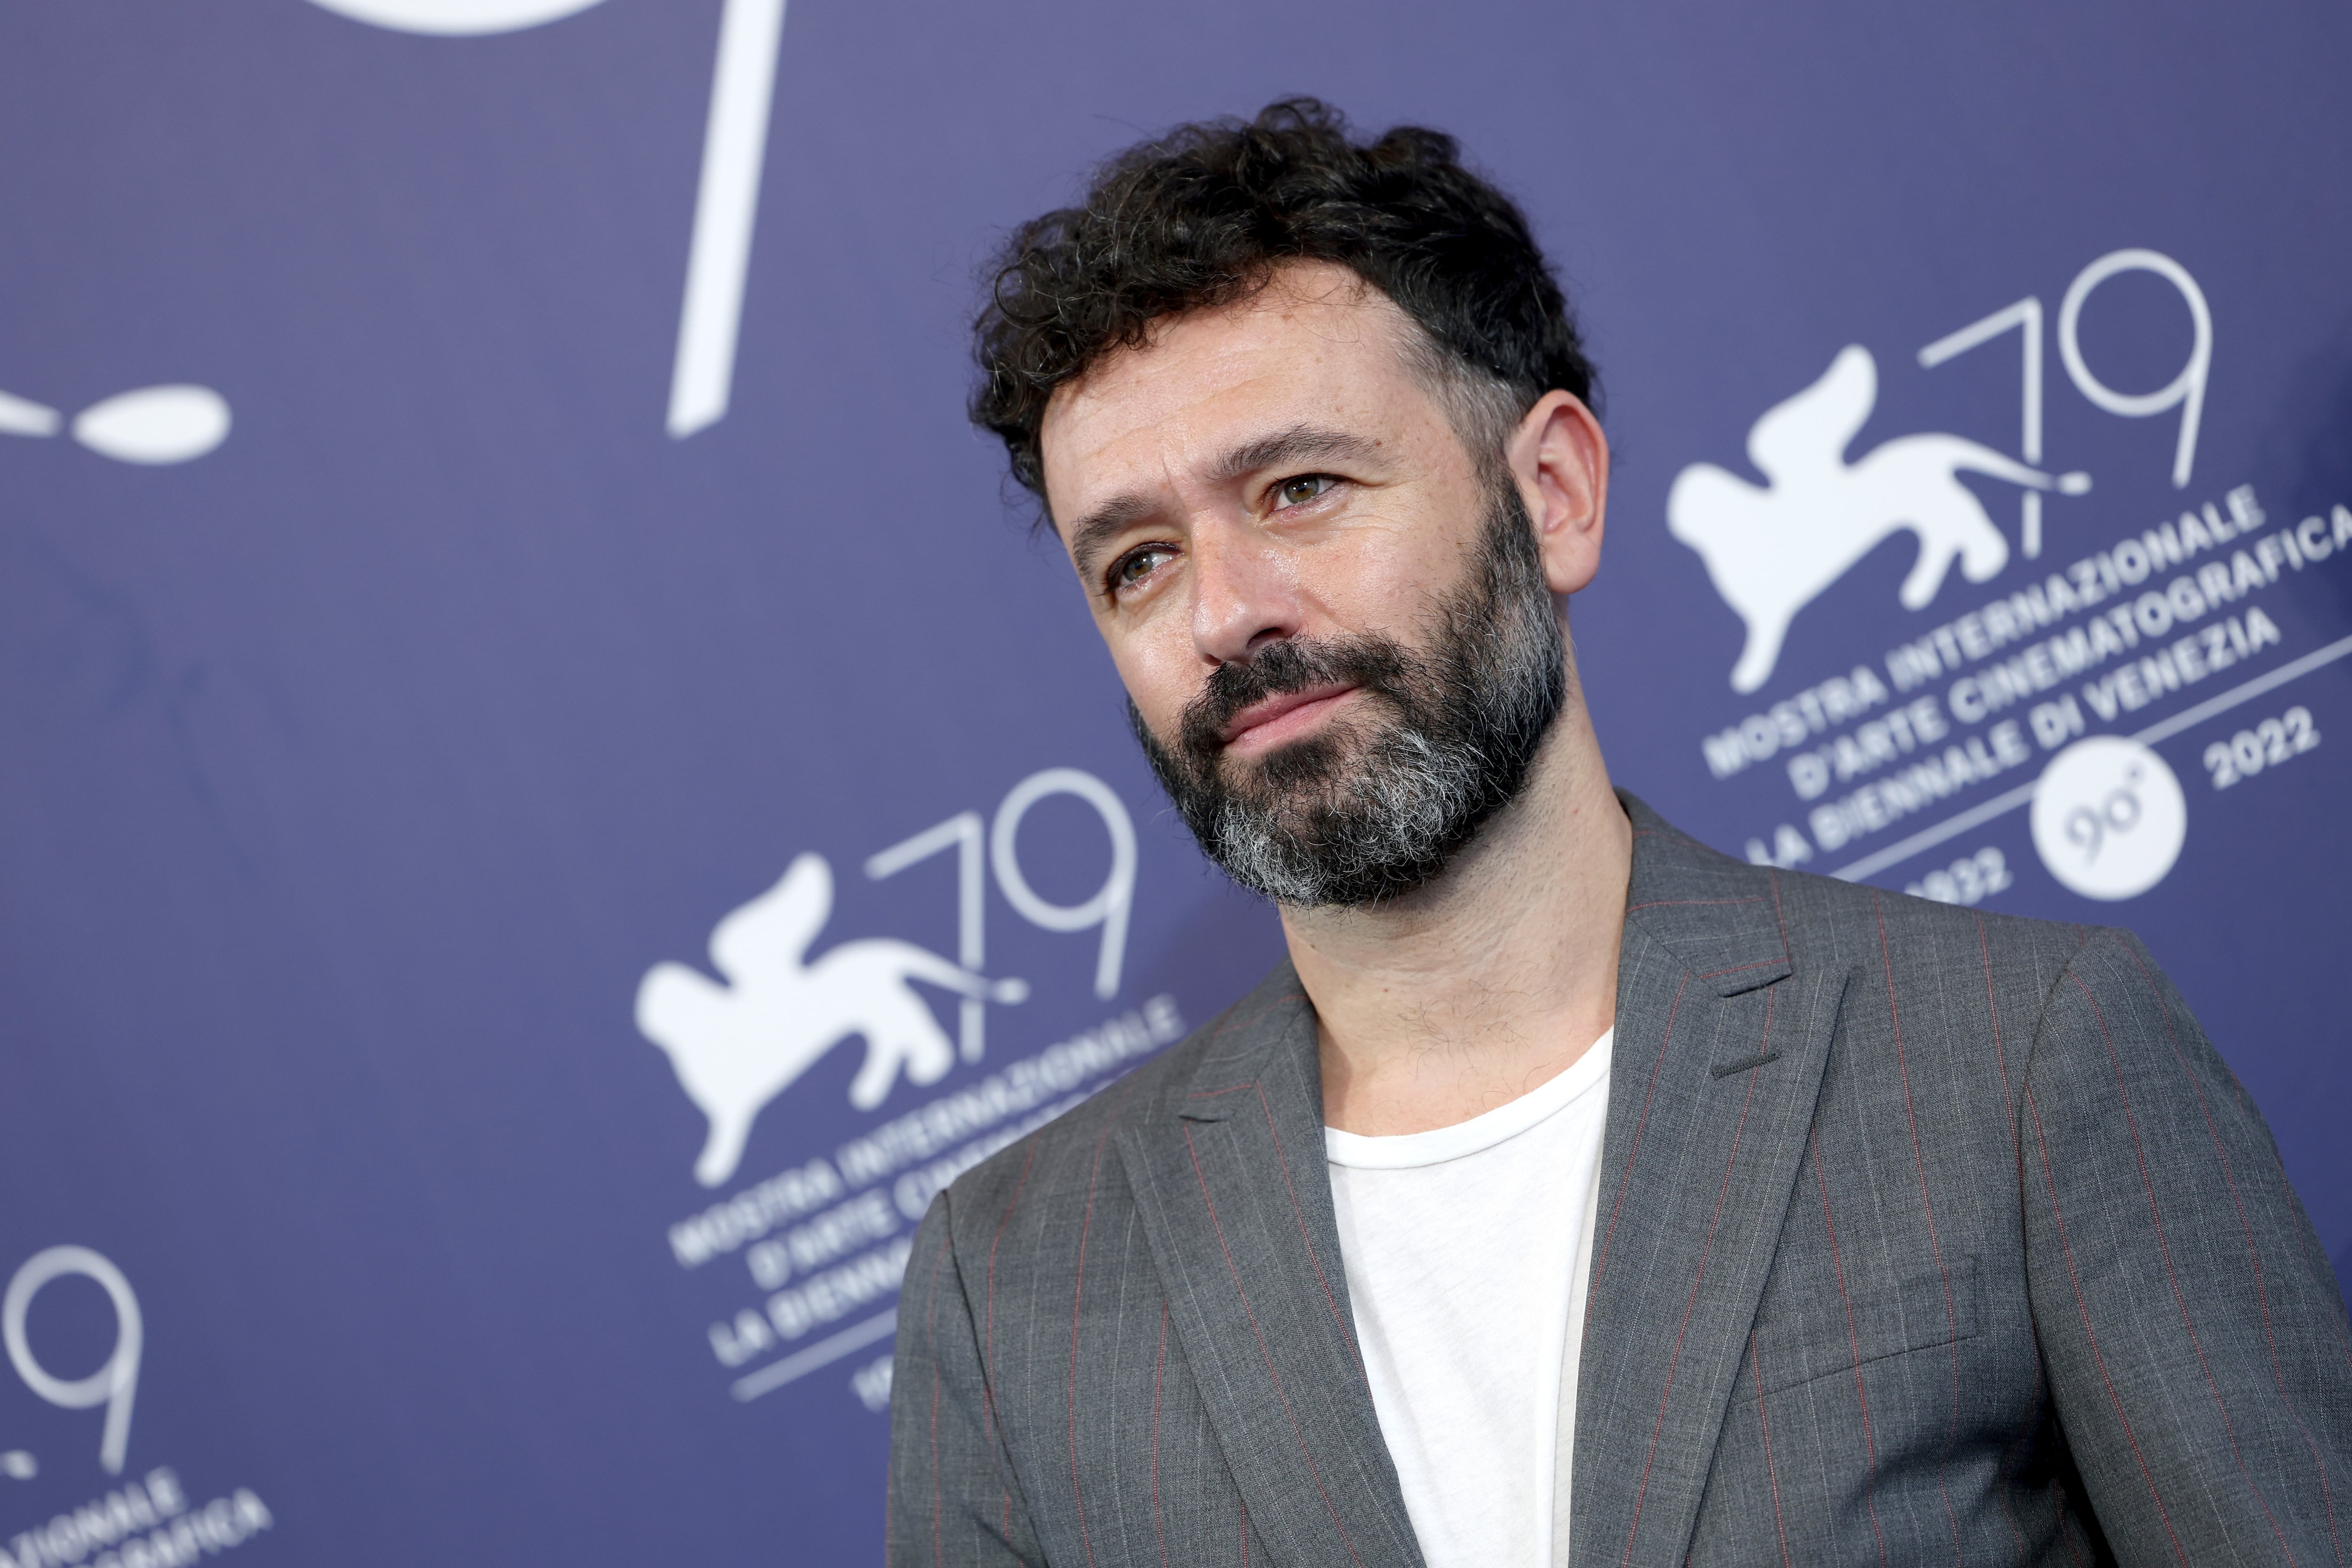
(2108,818)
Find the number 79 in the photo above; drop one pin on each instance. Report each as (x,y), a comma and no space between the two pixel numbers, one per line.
(2185,391)
(1107,907)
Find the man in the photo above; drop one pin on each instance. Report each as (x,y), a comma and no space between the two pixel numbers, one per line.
(1572,1193)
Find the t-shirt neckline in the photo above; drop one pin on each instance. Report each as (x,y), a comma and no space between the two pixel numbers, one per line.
(1403,1150)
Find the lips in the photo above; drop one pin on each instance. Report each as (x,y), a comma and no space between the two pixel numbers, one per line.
(1275,719)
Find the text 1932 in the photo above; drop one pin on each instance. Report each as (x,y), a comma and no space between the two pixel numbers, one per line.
(1969,880)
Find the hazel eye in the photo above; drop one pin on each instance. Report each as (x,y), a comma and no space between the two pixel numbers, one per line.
(1136,565)
(1299,491)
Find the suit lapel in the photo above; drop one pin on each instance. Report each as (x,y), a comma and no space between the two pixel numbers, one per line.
(1720,1043)
(1235,1200)
(1721,1038)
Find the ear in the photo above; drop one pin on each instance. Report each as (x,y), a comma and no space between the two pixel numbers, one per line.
(1561,460)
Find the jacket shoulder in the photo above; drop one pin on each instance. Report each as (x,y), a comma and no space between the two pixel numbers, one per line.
(1880,921)
(1063,1159)
(1735,915)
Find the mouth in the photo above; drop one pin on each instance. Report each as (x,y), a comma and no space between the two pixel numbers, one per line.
(1277,720)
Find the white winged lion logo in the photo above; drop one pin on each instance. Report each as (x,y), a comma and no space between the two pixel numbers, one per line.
(1771,548)
(736,1047)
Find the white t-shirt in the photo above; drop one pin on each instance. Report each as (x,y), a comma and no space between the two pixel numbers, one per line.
(1467,1250)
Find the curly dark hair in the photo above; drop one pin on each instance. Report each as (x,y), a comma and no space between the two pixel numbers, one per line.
(1201,217)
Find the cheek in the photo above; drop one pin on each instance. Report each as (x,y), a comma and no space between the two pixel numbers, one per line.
(1381,580)
(1160,669)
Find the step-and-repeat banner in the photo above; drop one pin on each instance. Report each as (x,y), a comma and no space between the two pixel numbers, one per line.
(548,802)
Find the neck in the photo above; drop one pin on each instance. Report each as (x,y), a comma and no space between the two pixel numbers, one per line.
(1495,977)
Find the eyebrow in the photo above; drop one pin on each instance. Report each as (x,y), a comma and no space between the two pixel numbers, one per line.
(1298,444)
(1090,535)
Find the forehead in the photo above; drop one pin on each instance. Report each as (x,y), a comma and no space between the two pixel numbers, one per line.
(1317,343)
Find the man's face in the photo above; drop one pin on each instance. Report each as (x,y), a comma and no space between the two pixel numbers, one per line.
(1331,619)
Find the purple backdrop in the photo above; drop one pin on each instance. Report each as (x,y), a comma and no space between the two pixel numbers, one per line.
(434,595)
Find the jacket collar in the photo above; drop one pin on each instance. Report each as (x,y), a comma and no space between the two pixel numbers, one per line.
(1720,1041)
(1236,1201)
(1722,1034)
(1721,918)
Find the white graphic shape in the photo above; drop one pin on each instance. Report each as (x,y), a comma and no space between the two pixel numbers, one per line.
(1111,902)
(2109,818)
(2026,317)
(154,425)
(736,1047)
(726,210)
(2185,391)
(22,417)
(727,202)
(19,1466)
(1771,548)
(115,1382)
(964,834)
(455,19)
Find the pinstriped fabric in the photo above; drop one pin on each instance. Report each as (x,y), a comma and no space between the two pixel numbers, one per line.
(2172,1275)
(2091,1340)
(1077,1321)
(2253,1257)
(1158,1380)
(1771,1470)
(1236,1201)
(2034,1401)
(949,1469)
(1926,1235)
(1698,1282)
(1069,1370)
(1640,1124)
(1897,1338)
(2174,1211)
(988,1317)
(2041,1190)
(1927,1211)
(1699,1165)
(1854,1343)
(1265,1353)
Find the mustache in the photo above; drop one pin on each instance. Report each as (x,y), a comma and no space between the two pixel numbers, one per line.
(1376,664)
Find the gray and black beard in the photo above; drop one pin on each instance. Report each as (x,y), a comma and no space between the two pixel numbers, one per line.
(1378,803)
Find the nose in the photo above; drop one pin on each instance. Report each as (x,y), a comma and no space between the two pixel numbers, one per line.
(1243,593)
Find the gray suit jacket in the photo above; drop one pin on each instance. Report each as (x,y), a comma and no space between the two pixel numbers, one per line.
(1924,1236)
